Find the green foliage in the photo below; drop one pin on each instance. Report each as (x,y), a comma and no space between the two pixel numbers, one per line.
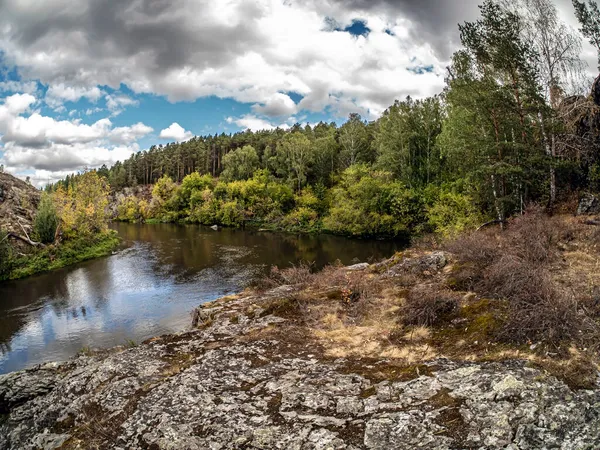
(405,139)
(82,207)
(293,158)
(46,220)
(166,200)
(57,256)
(452,213)
(588,16)
(230,214)
(370,203)
(130,209)
(240,164)
(6,261)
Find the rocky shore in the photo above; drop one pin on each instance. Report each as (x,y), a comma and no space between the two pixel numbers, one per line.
(245,378)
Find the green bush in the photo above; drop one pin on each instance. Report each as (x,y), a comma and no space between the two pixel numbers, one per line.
(453,213)
(367,202)
(5,255)
(230,214)
(46,220)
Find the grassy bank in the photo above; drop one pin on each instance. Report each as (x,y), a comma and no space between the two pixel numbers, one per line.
(62,255)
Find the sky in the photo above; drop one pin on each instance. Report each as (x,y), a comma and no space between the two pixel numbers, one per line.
(87,82)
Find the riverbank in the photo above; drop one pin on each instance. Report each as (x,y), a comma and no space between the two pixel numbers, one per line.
(53,257)
(328,360)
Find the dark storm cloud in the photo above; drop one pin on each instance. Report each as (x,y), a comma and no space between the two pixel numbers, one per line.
(163,34)
(436,21)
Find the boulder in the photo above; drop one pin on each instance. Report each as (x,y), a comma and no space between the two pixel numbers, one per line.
(588,205)
(18,203)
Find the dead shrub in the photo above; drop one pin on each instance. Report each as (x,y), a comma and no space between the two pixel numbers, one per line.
(427,305)
(478,248)
(300,274)
(533,236)
(515,265)
(333,275)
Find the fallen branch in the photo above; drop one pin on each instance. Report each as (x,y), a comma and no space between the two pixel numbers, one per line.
(491,222)
(592,222)
(27,239)
(24,239)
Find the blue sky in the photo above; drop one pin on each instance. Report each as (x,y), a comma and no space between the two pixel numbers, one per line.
(87,83)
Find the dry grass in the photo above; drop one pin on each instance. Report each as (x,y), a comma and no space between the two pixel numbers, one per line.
(427,305)
(537,282)
(518,265)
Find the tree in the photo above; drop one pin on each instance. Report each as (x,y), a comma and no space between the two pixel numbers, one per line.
(588,16)
(294,155)
(560,67)
(494,103)
(46,220)
(354,140)
(90,203)
(406,140)
(240,164)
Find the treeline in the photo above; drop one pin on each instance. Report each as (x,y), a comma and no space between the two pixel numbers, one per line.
(508,130)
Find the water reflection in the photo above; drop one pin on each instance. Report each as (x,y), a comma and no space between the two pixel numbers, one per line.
(149,287)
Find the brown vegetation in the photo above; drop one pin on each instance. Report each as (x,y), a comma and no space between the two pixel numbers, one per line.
(528,292)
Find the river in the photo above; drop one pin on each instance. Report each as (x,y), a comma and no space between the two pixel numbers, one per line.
(150,286)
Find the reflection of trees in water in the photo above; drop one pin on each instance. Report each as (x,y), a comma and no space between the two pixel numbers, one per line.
(24,300)
(176,252)
(28,297)
(5,347)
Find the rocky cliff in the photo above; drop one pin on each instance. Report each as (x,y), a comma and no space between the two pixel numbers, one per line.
(18,203)
(250,375)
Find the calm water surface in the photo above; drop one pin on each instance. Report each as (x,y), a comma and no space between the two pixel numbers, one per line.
(150,287)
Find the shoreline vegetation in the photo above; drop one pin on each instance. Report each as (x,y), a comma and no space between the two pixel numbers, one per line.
(69,226)
(55,257)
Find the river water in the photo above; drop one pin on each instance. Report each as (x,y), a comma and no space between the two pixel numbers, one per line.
(150,286)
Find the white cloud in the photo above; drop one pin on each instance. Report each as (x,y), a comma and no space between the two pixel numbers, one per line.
(18,103)
(27,87)
(251,122)
(117,102)
(276,105)
(90,111)
(57,94)
(176,132)
(51,147)
(255,52)
(126,135)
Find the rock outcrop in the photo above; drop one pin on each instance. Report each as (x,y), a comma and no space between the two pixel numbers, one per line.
(242,380)
(588,205)
(18,203)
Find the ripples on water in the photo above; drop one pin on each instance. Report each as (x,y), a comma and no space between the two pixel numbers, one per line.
(150,287)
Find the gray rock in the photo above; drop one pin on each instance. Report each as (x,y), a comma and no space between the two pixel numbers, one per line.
(423,265)
(588,205)
(227,386)
(358,267)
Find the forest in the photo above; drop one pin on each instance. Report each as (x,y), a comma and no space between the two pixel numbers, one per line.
(515,125)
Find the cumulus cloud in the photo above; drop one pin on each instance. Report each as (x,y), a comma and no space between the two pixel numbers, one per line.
(57,94)
(34,142)
(117,102)
(254,52)
(277,104)
(126,135)
(254,123)
(175,132)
